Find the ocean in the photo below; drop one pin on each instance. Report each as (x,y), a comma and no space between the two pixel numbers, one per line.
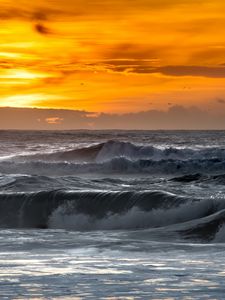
(112,215)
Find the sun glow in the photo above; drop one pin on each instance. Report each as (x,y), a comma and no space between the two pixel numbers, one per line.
(29,100)
(22,100)
(113,56)
(21,74)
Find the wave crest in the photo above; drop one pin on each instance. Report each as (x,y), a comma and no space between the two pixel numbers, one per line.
(114,149)
(34,209)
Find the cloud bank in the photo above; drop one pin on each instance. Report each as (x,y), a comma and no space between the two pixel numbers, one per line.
(176,117)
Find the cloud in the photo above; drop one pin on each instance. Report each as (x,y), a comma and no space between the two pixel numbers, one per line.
(221,101)
(27,11)
(40,15)
(42,29)
(32,118)
(176,71)
(144,59)
(53,120)
(213,72)
(211,55)
(21,8)
(130,51)
(176,117)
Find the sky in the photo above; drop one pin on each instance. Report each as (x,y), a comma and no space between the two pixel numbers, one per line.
(113,58)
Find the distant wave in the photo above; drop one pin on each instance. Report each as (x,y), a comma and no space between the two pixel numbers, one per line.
(119,157)
(200,178)
(119,165)
(86,154)
(107,151)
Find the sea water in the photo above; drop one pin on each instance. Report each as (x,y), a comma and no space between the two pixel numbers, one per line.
(112,215)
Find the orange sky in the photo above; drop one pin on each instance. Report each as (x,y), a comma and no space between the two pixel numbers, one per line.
(112,55)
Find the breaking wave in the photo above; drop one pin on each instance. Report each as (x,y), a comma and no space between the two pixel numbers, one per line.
(200,219)
(58,208)
(79,210)
(114,149)
(119,157)
(134,218)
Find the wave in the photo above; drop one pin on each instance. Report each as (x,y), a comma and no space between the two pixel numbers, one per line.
(200,178)
(195,219)
(134,218)
(208,229)
(52,208)
(116,166)
(109,150)
(36,183)
(219,236)
(119,157)
(86,154)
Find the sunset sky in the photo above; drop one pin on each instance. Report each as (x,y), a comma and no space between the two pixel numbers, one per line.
(113,56)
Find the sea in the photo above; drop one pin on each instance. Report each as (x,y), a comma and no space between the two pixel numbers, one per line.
(112,215)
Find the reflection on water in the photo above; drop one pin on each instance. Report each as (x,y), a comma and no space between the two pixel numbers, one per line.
(85,269)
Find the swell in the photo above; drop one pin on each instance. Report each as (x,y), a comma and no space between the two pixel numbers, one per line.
(99,210)
(115,149)
(119,157)
(86,154)
(200,178)
(208,229)
(115,166)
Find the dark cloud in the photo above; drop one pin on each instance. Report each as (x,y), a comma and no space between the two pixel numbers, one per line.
(142,59)
(221,101)
(40,15)
(176,117)
(27,12)
(213,72)
(177,71)
(42,29)
(13,13)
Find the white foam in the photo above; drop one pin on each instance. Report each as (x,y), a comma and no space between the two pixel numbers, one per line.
(64,218)
(113,149)
(116,149)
